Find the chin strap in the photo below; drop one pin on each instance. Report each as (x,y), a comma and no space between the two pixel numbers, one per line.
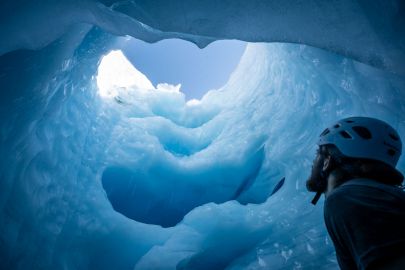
(316,197)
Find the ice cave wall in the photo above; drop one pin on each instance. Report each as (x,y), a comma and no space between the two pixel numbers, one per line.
(369,31)
(58,137)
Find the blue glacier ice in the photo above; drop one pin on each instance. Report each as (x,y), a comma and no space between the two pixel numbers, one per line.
(136,177)
(370,32)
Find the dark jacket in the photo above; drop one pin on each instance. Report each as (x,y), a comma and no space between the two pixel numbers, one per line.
(366,222)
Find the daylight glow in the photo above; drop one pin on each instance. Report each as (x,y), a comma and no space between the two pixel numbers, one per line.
(116,73)
(193,102)
(168,87)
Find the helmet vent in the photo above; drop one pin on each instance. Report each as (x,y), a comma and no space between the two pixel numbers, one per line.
(345,135)
(362,132)
(326,131)
(394,137)
(337,126)
(349,121)
(391,152)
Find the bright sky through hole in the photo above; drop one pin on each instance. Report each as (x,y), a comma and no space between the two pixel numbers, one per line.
(177,61)
(116,72)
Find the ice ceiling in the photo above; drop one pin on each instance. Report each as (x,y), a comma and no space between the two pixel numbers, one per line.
(195,179)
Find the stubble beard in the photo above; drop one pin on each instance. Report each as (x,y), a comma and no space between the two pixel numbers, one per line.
(314,181)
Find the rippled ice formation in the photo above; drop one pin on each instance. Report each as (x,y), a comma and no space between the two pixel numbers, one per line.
(191,182)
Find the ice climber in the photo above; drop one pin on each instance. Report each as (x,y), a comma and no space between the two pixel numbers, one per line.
(364,208)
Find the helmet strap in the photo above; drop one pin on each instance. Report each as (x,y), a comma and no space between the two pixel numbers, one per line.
(316,197)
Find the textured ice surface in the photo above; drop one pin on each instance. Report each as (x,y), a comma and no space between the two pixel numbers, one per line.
(182,139)
(215,161)
(370,31)
(211,164)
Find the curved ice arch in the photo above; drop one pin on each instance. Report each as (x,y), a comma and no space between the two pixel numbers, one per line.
(370,32)
(56,215)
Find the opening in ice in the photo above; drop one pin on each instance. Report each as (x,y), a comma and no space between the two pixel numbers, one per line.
(177,62)
(177,140)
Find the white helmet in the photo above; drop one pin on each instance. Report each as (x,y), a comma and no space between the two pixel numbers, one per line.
(364,137)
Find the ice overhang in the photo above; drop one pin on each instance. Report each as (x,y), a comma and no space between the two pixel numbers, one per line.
(377,27)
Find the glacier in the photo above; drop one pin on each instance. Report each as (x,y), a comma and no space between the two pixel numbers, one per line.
(136,177)
(370,32)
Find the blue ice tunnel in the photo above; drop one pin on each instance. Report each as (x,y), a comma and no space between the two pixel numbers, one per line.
(59,140)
